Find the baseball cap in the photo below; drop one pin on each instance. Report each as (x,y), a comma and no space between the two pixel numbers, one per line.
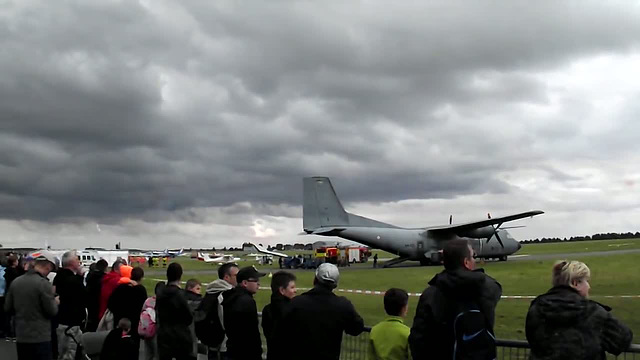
(249,272)
(45,255)
(328,274)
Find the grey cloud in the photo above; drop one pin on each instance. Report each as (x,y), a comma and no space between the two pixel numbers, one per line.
(114,112)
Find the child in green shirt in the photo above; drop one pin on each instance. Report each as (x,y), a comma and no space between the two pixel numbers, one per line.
(389,339)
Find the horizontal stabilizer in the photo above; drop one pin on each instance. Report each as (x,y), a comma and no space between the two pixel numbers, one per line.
(328,231)
(482,223)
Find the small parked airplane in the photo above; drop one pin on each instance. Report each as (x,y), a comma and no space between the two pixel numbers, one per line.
(217,258)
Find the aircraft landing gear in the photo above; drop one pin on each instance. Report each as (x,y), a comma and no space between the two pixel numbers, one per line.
(503,258)
(425,262)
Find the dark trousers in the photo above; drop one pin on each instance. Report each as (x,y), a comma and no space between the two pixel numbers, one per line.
(34,351)
(3,324)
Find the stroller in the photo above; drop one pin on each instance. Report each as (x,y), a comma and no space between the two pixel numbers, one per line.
(80,353)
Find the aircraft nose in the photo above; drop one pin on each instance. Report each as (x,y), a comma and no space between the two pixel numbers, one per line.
(519,246)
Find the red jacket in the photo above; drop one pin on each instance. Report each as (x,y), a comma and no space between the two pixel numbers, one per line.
(109,283)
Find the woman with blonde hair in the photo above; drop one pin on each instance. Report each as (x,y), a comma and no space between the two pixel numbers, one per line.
(564,324)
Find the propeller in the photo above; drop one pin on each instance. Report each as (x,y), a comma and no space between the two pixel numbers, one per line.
(495,232)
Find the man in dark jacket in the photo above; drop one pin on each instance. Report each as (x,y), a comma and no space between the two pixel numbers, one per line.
(432,334)
(283,289)
(174,318)
(127,300)
(564,323)
(317,319)
(241,317)
(69,285)
(11,273)
(94,284)
(31,300)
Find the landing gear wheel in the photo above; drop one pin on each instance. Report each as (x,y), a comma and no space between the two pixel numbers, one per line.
(503,258)
(425,262)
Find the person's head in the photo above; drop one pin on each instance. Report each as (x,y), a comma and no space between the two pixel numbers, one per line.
(396,302)
(102,265)
(174,272)
(125,325)
(249,278)
(159,286)
(137,274)
(327,275)
(572,273)
(458,254)
(284,283)
(117,264)
(194,286)
(12,260)
(71,262)
(228,273)
(45,263)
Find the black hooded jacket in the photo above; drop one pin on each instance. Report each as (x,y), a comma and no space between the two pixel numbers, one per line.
(173,320)
(563,322)
(316,320)
(431,334)
(241,325)
(271,317)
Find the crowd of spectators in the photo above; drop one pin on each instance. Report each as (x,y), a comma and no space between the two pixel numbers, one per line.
(46,314)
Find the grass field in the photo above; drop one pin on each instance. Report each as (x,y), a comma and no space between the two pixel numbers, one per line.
(579,246)
(617,275)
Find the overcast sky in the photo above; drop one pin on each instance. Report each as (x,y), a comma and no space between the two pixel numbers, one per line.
(191,123)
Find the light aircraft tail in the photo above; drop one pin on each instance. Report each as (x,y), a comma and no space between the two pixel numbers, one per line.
(321,206)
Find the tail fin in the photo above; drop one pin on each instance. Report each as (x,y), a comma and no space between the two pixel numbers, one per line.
(321,206)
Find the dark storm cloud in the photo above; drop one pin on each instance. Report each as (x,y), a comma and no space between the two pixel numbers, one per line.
(124,110)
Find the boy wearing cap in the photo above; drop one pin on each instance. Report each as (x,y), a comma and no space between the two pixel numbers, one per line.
(389,339)
(32,301)
(241,317)
(319,317)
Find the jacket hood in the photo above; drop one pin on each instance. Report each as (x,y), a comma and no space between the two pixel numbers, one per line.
(561,305)
(460,283)
(218,286)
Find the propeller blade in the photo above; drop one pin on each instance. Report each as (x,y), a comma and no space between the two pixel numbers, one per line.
(498,238)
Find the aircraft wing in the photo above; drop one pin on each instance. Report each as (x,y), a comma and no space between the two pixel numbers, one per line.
(482,223)
(262,250)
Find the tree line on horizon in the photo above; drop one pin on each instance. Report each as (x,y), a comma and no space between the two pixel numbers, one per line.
(602,236)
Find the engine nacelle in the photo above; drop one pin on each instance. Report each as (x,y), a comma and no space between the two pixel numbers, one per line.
(479,233)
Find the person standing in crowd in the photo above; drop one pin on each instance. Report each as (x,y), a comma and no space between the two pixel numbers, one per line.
(375,260)
(319,317)
(31,299)
(193,295)
(10,273)
(458,292)
(147,327)
(127,299)
(564,321)
(212,302)
(174,318)
(240,318)
(389,339)
(283,289)
(109,283)
(94,284)
(119,343)
(3,286)
(69,285)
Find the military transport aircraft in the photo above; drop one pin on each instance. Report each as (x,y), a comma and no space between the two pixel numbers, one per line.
(323,214)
